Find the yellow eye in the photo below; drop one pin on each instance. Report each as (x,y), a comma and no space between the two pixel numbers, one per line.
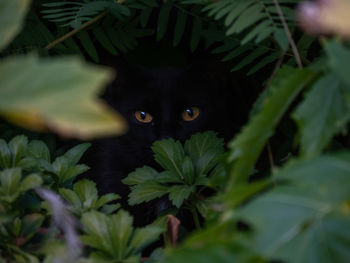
(190,114)
(143,116)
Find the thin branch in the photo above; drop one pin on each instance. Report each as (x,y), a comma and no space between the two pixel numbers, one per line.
(73,32)
(289,35)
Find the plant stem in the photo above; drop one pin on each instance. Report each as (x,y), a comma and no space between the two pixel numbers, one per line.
(289,35)
(73,32)
(195,217)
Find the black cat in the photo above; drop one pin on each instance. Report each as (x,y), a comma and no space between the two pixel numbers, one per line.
(157,103)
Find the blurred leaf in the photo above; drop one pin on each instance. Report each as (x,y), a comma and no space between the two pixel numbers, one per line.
(87,192)
(36,99)
(12,14)
(5,155)
(18,147)
(163,19)
(143,236)
(9,182)
(30,181)
(307,218)
(38,149)
(246,146)
(323,113)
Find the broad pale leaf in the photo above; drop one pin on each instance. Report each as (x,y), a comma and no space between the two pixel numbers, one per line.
(12,14)
(323,113)
(58,94)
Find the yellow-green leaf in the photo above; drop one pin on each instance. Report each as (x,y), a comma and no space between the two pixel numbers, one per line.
(58,94)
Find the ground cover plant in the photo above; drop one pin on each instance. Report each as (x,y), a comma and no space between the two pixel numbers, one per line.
(295,210)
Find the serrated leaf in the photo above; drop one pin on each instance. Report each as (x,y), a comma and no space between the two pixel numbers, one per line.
(71,197)
(35,100)
(87,192)
(167,177)
(5,155)
(106,199)
(140,175)
(179,193)
(144,236)
(305,220)
(18,147)
(163,19)
(204,148)
(322,114)
(12,14)
(246,146)
(188,170)
(120,226)
(145,192)
(38,149)
(169,154)
(74,154)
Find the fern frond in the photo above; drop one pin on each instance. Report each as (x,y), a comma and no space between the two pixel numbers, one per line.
(73,14)
(257,19)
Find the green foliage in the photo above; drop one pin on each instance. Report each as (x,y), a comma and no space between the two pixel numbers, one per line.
(186,170)
(113,237)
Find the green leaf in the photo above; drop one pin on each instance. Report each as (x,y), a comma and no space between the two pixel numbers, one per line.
(18,147)
(35,99)
(140,175)
(9,182)
(144,236)
(167,177)
(179,193)
(204,149)
(145,192)
(89,47)
(72,172)
(104,40)
(71,197)
(196,33)
(169,154)
(96,226)
(163,19)
(30,181)
(281,38)
(307,219)
(323,113)
(179,27)
(38,149)
(120,226)
(144,16)
(106,199)
(87,192)
(188,171)
(339,59)
(246,146)
(5,155)
(74,154)
(12,14)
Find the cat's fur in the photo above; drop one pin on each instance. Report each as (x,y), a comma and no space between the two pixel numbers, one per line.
(164,93)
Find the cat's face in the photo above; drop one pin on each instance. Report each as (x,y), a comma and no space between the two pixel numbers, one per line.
(163,103)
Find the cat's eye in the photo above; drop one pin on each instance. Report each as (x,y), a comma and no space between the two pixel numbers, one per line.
(190,114)
(143,116)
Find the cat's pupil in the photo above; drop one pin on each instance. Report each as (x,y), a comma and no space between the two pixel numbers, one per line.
(142,115)
(189,112)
